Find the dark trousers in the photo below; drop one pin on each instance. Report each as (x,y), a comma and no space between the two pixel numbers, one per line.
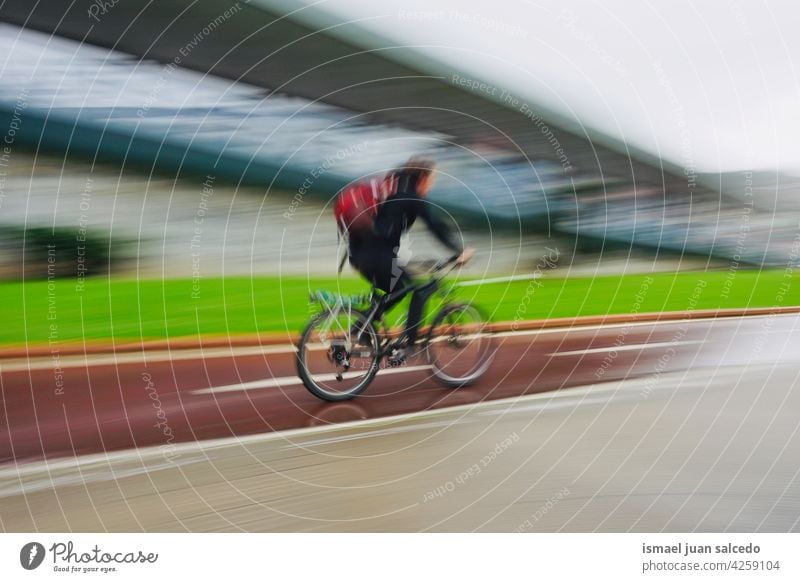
(378,265)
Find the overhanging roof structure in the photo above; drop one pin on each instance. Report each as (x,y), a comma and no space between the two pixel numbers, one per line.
(546,168)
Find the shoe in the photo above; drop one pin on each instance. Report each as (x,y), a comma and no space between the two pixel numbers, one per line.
(400,354)
(397,357)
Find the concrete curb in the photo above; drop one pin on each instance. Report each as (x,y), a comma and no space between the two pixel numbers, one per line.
(281,338)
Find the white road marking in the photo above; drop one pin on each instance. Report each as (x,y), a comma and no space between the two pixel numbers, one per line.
(35,476)
(625,348)
(80,361)
(577,328)
(295,380)
(91,360)
(475,282)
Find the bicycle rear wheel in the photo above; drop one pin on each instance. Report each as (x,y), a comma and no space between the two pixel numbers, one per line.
(459,346)
(332,362)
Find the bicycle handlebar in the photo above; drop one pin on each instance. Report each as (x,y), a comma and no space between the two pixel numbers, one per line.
(437,269)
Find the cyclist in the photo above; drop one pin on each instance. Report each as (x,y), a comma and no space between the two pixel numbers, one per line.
(374,253)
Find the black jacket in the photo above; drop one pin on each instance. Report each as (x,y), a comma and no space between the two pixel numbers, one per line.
(398,214)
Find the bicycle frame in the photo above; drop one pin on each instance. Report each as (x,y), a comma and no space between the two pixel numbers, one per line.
(379,301)
(439,271)
(366,326)
(333,309)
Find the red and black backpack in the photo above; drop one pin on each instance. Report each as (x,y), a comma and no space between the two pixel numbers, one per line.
(357,204)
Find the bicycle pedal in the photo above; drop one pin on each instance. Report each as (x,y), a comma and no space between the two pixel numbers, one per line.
(395,361)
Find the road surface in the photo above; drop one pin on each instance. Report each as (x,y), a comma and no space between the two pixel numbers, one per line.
(684,425)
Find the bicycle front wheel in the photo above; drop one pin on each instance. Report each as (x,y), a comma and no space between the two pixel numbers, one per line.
(337,356)
(460,347)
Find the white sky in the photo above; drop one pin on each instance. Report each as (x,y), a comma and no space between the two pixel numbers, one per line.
(709,84)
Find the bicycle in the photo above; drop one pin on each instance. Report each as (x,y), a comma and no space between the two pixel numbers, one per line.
(342,347)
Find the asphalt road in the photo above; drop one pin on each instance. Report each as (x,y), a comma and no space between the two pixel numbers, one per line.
(673,426)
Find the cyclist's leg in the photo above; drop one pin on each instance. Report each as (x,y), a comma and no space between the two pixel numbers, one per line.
(397,278)
(398,282)
(365,261)
(415,312)
(385,274)
(376,263)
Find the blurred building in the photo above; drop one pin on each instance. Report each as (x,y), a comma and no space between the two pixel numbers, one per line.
(250,94)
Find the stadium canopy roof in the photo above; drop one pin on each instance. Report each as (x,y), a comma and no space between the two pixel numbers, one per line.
(556,170)
(258,45)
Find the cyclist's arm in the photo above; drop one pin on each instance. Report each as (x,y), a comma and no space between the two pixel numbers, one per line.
(439,229)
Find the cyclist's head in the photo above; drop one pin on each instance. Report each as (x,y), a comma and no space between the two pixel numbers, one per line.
(417,174)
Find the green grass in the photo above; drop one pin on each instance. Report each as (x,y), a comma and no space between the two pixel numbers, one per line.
(153,309)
